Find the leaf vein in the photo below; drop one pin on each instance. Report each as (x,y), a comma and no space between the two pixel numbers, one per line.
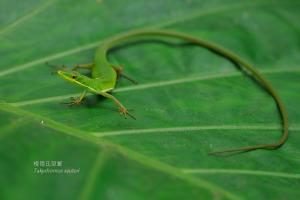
(25,17)
(96,43)
(242,172)
(198,77)
(192,128)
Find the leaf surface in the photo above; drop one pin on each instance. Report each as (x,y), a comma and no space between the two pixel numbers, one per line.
(189,101)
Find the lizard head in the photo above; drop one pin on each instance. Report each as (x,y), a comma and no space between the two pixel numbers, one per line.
(75,77)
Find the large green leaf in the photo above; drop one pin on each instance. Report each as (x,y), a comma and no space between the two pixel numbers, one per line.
(189,101)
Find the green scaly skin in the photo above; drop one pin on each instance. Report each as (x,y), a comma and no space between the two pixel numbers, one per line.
(104,77)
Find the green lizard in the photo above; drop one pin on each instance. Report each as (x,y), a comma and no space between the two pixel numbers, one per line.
(104,76)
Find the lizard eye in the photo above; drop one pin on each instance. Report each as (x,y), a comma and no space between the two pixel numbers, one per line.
(73,77)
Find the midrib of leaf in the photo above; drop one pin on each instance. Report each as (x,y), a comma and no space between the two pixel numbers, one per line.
(242,172)
(159,25)
(36,10)
(130,154)
(198,77)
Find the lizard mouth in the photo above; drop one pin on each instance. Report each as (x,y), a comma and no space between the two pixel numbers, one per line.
(71,77)
(65,75)
(59,72)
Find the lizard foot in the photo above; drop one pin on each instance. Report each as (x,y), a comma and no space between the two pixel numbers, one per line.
(123,111)
(74,102)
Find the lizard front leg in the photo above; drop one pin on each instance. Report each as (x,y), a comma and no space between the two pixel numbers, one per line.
(77,101)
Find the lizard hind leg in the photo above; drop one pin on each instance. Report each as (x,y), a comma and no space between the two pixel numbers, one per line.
(119,71)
